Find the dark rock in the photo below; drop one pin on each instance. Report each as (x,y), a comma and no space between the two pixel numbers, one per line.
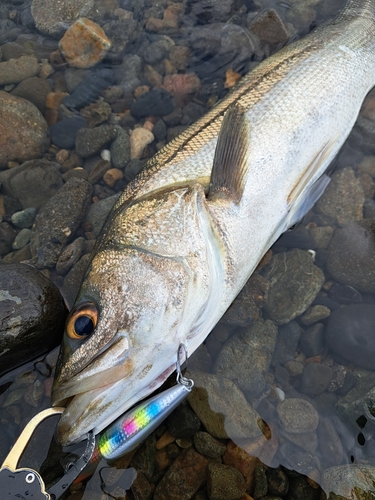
(184,478)
(160,130)
(245,358)
(299,488)
(183,422)
(286,343)
(294,283)
(141,488)
(25,218)
(35,90)
(350,334)
(278,482)
(120,149)
(121,32)
(58,220)
(351,255)
(70,256)
(345,294)
(297,416)
(32,183)
(157,102)
(22,239)
(98,213)
(32,315)
(90,89)
(261,482)
(96,113)
(128,72)
(7,235)
(316,378)
(209,11)
(132,169)
(314,314)
(208,445)
(224,482)
(90,141)
(173,118)
(312,340)
(144,458)
(63,133)
(73,280)
(156,51)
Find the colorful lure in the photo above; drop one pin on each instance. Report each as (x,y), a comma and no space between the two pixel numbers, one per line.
(129,430)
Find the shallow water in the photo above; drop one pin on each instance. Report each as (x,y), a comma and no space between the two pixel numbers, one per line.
(319,361)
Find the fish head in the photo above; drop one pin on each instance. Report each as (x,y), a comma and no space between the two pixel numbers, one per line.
(121,338)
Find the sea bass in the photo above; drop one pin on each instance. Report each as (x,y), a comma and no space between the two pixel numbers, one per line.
(187,233)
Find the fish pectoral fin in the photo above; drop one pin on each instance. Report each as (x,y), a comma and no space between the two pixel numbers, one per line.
(302,198)
(229,169)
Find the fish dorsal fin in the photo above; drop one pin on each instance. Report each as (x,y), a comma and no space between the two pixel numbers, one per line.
(228,175)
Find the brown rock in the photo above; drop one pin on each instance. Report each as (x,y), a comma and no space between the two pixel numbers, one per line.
(139,139)
(269,27)
(224,482)
(242,461)
(112,176)
(84,44)
(182,87)
(16,70)
(23,130)
(231,78)
(184,478)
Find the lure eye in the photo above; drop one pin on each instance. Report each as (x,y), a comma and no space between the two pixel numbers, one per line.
(82,321)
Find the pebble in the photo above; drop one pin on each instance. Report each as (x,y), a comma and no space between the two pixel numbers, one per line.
(278,482)
(127,72)
(224,482)
(237,457)
(133,168)
(98,213)
(89,89)
(343,199)
(112,176)
(139,139)
(316,378)
(349,334)
(286,343)
(207,445)
(58,220)
(96,113)
(269,27)
(33,312)
(84,44)
(32,183)
(245,358)
(182,87)
(22,239)
(315,314)
(63,133)
(351,255)
(329,443)
(7,235)
(16,70)
(156,102)
(294,368)
(294,283)
(25,218)
(35,90)
(321,236)
(183,423)
(90,141)
(51,18)
(101,167)
(18,141)
(297,416)
(70,256)
(120,149)
(312,340)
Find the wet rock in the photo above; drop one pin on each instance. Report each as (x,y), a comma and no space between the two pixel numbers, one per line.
(73,280)
(90,141)
(89,89)
(141,488)
(242,461)
(312,340)
(70,256)
(25,218)
(157,102)
(33,396)
(98,213)
(321,236)
(7,235)
(314,314)
(84,44)
(112,176)
(245,358)
(183,422)
(222,408)
(184,478)
(32,183)
(132,169)
(294,283)
(120,149)
(19,141)
(157,51)
(127,73)
(63,133)
(351,255)
(22,239)
(247,305)
(329,443)
(58,220)
(182,87)
(269,27)
(139,139)
(96,113)
(121,32)
(286,343)
(343,198)
(261,483)
(212,11)
(349,333)
(35,90)
(307,441)
(208,445)
(224,482)
(278,482)
(297,416)
(52,18)
(299,488)
(16,70)
(32,315)
(99,171)
(350,481)
(316,378)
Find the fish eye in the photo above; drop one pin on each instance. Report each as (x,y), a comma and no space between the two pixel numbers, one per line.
(82,321)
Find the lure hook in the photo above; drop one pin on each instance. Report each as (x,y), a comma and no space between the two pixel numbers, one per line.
(188,383)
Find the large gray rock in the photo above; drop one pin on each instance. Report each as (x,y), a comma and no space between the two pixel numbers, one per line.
(16,70)
(294,283)
(32,315)
(98,213)
(58,220)
(355,481)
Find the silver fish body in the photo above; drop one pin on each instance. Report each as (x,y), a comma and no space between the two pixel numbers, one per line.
(188,232)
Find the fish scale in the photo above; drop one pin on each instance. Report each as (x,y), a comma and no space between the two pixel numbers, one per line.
(254,165)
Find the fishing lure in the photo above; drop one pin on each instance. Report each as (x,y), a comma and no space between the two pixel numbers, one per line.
(129,430)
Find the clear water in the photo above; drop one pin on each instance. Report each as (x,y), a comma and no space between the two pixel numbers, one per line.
(354,439)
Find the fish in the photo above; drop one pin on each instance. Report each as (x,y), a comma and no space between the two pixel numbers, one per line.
(187,233)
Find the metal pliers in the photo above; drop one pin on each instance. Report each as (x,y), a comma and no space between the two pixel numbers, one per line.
(25,484)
